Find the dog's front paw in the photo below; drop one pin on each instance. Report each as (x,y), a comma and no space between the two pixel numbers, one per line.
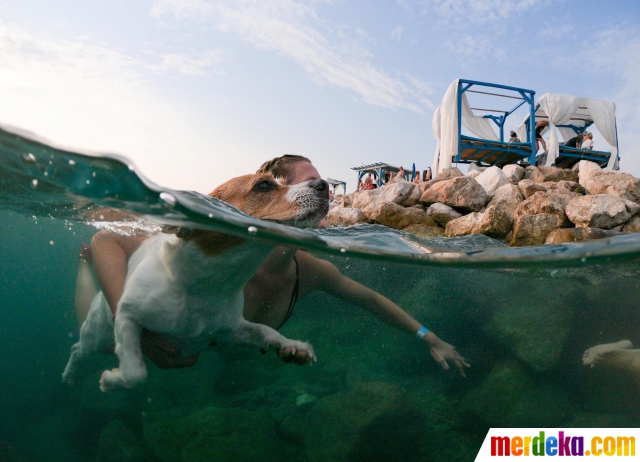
(109,380)
(297,352)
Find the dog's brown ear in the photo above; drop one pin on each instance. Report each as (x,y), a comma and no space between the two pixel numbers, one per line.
(217,193)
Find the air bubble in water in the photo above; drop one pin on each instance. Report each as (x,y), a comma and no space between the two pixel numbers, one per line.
(101,217)
(583,260)
(252,230)
(72,162)
(131,167)
(93,174)
(343,250)
(50,242)
(88,182)
(168,199)
(211,215)
(29,158)
(46,173)
(34,183)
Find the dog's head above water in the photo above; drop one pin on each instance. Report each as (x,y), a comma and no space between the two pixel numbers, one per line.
(262,196)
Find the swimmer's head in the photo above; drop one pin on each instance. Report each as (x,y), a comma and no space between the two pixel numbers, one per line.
(291,169)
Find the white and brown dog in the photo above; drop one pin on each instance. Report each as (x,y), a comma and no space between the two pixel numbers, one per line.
(189,287)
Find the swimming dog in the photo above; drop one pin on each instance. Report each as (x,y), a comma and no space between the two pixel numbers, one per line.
(188,287)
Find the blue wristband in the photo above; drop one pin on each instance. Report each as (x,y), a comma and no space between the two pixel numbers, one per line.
(422,332)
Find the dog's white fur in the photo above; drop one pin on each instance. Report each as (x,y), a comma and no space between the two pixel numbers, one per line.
(189,296)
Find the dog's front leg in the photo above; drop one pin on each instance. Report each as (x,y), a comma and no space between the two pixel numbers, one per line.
(132,369)
(266,338)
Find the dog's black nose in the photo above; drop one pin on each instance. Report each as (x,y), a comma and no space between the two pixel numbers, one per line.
(320,185)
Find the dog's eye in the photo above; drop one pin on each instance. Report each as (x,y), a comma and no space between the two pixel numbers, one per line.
(264,186)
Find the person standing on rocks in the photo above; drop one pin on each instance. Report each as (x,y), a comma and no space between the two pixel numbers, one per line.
(539,140)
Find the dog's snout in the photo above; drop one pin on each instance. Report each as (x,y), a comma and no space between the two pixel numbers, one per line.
(320,185)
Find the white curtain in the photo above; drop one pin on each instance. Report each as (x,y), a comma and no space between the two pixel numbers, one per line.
(559,108)
(478,125)
(436,132)
(445,127)
(603,114)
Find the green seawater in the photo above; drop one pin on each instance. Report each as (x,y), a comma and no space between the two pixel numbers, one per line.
(521,317)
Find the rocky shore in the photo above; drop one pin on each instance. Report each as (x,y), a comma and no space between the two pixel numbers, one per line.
(521,206)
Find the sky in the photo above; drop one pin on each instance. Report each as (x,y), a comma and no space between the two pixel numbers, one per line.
(196,92)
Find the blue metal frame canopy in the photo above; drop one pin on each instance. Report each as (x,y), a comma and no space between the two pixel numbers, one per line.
(494,152)
(336,184)
(379,169)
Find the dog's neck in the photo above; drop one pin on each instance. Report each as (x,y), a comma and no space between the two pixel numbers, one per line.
(212,261)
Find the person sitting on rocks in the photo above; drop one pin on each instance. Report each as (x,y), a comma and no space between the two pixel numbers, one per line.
(416,178)
(427,174)
(400,173)
(368,183)
(514,137)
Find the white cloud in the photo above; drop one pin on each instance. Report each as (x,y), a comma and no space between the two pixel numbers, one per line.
(462,12)
(295,30)
(90,97)
(188,65)
(396,34)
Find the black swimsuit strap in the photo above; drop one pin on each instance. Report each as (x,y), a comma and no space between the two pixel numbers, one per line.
(294,297)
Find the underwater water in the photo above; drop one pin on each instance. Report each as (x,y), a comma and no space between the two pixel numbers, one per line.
(521,317)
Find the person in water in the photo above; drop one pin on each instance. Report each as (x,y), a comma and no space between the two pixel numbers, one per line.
(286,276)
(619,355)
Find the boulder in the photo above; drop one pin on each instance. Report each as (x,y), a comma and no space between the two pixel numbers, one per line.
(397,179)
(621,184)
(424,232)
(397,217)
(346,426)
(558,174)
(588,170)
(442,214)
(543,203)
(347,199)
(473,173)
(564,185)
(532,229)
(492,402)
(461,193)
(529,187)
(632,226)
(513,173)
(396,193)
(346,216)
(463,226)
(447,173)
(413,198)
(603,211)
(495,222)
(473,167)
(561,235)
(509,196)
(491,179)
(533,173)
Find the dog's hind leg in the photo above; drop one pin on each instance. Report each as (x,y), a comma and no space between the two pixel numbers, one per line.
(86,288)
(132,369)
(266,338)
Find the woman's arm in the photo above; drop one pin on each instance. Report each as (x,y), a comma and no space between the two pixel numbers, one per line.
(327,278)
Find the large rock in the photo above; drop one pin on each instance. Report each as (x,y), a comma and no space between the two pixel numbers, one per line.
(545,202)
(532,229)
(346,216)
(396,193)
(442,214)
(347,199)
(462,193)
(452,172)
(463,226)
(508,196)
(473,173)
(495,222)
(346,426)
(558,174)
(424,232)
(561,235)
(564,185)
(413,198)
(396,216)
(513,173)
(508,398)
(492,179)
(603,211)
(588,170)
(533,173)
(621,184)
(632,226)
(530,187)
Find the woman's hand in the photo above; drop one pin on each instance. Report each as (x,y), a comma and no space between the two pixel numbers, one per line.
(442,352)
